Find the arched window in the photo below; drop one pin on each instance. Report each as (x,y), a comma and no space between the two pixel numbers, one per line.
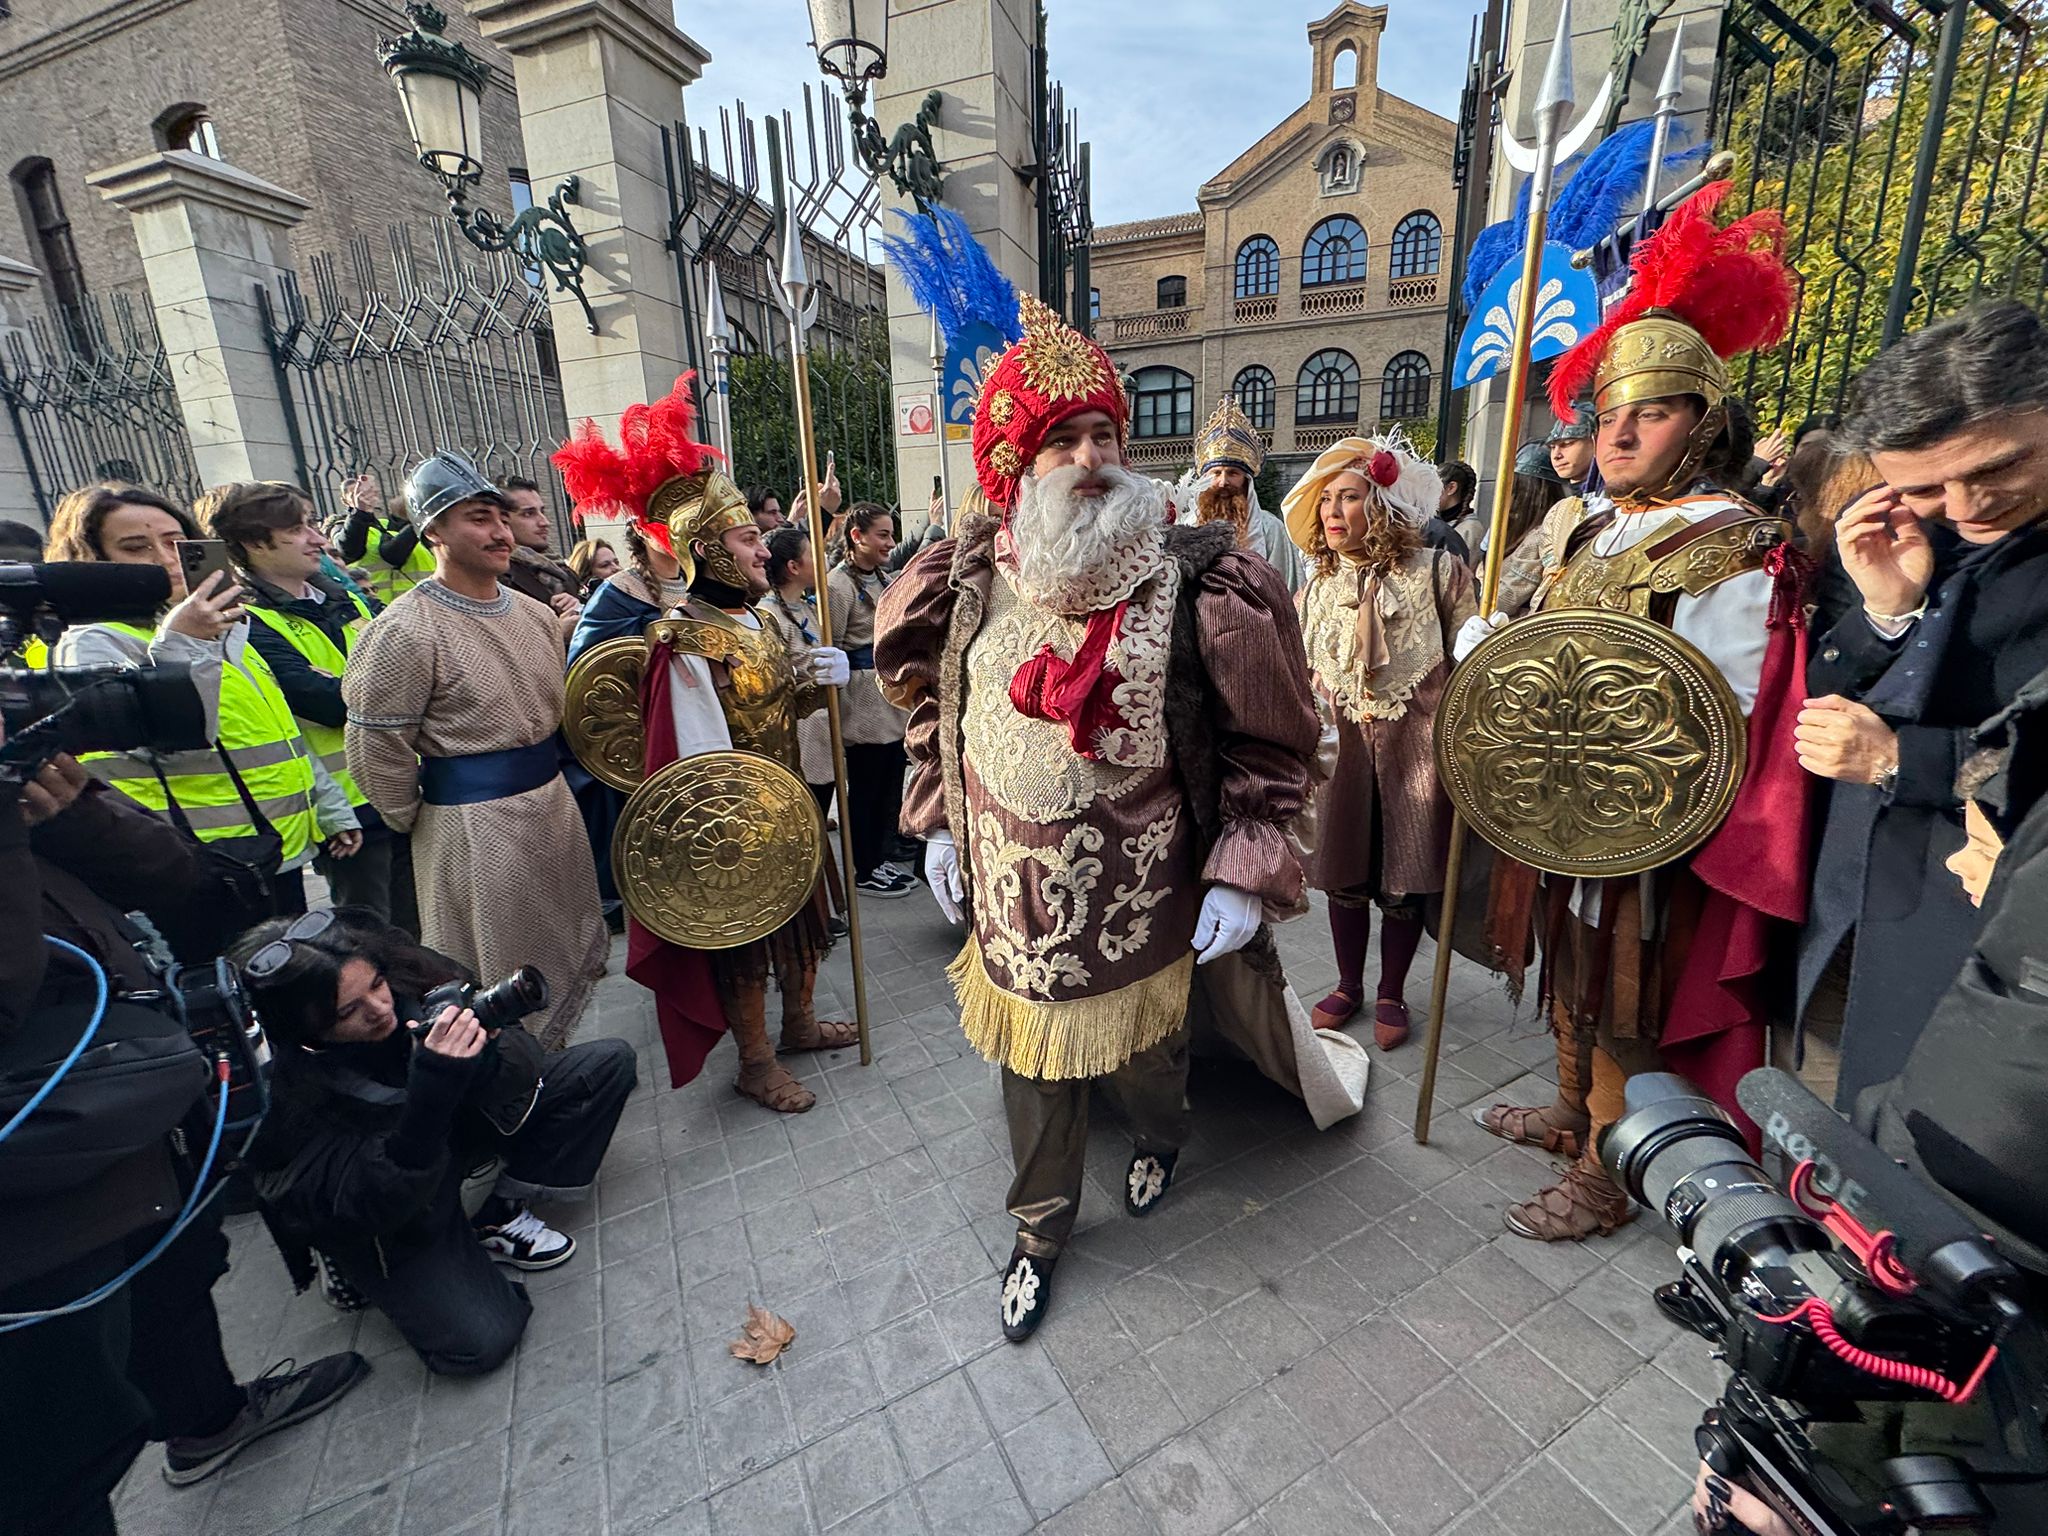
(1418,246)
(51,229)
(1255,391)
(1344,69)
(188,126)
(1162,403)
(1404,387)
(1258,268)
(1334,253)
(1327,388)
(1171,292)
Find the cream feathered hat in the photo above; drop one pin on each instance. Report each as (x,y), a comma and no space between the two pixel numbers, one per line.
(1406,484)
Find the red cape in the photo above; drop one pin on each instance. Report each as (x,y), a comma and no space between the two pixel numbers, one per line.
(1756,868)
(686,1005)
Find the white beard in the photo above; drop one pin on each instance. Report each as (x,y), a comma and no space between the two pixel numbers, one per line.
(1076,553)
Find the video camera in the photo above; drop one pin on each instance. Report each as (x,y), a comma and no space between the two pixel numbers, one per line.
(1886,1380)
(86,709)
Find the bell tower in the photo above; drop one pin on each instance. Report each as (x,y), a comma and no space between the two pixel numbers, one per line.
(1345,51)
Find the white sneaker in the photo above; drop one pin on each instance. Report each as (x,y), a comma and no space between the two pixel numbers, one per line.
(526,1242)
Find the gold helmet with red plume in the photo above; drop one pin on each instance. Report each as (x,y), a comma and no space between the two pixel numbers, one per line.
(660,476)
(1701,293)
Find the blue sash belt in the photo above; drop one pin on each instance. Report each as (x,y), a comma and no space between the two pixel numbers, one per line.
(481,776)
(860,658)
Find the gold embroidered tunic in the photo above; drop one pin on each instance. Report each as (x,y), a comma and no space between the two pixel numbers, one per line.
(1085,876)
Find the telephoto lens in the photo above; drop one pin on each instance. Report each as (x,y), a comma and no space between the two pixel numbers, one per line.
(1679,1153)
(522,993)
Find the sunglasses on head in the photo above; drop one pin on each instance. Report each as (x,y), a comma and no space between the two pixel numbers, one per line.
(277,954)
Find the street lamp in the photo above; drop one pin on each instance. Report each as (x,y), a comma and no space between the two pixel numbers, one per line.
(851,38)
(440,87)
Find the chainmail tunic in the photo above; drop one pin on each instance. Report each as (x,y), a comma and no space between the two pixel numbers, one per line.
(502,883)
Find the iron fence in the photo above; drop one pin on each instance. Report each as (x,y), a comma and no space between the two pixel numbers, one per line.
(409,356)
(1903,139)
(726,212)
(92,399)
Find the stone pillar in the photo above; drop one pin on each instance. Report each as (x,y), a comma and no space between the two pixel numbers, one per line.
(19,284)
(211,236)
(598,80)
(1593,55)
(977,55)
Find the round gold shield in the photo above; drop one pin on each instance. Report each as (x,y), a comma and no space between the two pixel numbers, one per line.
(718,850)
(601,717)
(1584,742)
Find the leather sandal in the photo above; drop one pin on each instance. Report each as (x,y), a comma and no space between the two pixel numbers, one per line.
(1389,1023)
(1338,1009)
(818,1035)
(1530,1128)
(772,1087)
(1584,1203)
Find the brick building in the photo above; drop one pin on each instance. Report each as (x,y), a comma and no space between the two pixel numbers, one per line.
(289,90)
(1311,280)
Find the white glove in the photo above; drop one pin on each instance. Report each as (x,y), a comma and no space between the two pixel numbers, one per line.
(942,874)
(1229,919)
(1472,632)
(829,666)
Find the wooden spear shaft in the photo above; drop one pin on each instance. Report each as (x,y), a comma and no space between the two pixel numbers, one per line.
(807,451)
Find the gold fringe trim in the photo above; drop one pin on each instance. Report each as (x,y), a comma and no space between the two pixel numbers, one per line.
(1082,1037)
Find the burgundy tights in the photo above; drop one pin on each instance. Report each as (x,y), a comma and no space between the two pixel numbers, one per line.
(1400,937)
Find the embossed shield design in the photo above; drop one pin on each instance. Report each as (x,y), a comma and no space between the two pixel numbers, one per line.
(1590,743)
(601,717)
(718,850)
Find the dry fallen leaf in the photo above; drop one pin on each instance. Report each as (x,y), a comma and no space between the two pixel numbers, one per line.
(762,1337)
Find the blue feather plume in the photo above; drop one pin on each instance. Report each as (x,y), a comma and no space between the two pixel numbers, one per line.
(950,275)
(1596,191)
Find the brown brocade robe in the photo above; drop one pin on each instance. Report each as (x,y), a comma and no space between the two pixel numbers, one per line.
(1085,877)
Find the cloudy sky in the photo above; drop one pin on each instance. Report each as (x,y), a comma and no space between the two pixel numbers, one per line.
(1168,95)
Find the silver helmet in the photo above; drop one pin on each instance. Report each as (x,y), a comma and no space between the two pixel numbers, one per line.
(441,481)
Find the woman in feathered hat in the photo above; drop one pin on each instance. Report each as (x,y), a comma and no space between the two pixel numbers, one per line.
(1378,617)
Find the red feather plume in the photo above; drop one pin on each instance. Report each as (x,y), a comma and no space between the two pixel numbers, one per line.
(657,443)
(1728,283)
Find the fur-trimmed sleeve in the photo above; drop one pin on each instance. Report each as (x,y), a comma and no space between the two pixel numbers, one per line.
(1265,722)
(911,625)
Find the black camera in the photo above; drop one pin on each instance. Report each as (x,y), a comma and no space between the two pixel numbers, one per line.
(522,993)
(1884,1381)
(96,709)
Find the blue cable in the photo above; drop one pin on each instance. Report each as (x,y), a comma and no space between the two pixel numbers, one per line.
(16,1320)
(99,1012)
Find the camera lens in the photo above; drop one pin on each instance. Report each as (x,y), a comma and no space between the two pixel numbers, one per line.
(1678,1153)
(522,993)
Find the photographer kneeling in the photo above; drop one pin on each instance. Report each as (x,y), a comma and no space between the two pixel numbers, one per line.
(375,1120)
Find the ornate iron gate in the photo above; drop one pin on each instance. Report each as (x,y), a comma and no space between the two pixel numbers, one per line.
(92,399)
(725,218)
(389,362)
(1903,139)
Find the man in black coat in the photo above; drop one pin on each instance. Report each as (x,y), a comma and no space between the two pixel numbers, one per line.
(1956,421)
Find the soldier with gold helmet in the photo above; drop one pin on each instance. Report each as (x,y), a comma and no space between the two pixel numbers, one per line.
(1627,746)
(718,850)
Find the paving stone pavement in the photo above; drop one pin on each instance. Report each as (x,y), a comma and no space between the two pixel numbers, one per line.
(1314,1332)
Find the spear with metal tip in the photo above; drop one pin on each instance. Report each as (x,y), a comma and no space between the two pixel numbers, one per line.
(718,333)
(798,301)
(939,398)
(1554,103)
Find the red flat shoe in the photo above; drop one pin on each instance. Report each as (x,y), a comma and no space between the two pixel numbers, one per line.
(1389,1023)
(1336,1010)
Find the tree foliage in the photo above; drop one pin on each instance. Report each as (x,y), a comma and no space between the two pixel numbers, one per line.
(1826,123)
(851,405)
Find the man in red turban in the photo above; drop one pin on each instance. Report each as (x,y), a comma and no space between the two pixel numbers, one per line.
(1110,727)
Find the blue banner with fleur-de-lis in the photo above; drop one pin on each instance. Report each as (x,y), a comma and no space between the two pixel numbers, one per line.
(1567,310)
(969,356)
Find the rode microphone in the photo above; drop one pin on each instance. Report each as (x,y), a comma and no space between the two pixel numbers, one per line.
(1932,1238)
(84,591)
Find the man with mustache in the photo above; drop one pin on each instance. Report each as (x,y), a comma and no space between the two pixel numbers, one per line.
(1110,727)
(454,695)
(1228,457)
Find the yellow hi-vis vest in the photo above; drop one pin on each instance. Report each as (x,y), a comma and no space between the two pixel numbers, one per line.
(261,738)
(384,582)
(327,658)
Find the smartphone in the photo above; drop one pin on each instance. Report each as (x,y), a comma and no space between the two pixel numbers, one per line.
(937,482)
(197,558)
(828,463)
